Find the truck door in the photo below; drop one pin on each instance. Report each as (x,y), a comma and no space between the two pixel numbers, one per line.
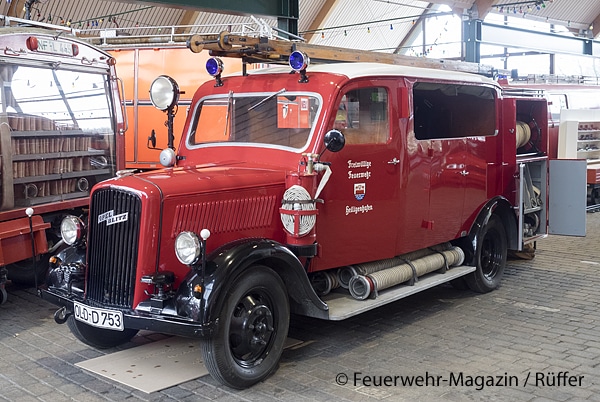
(358,220)
(451,122)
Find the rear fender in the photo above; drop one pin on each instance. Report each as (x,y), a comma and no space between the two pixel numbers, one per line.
(498,206)
(226,264)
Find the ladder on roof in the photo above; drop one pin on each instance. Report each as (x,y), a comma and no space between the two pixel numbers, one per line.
(265,50)
(272,49)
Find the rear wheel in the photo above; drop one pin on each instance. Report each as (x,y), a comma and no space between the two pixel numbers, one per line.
(253,326)
(98,337)
(490,257)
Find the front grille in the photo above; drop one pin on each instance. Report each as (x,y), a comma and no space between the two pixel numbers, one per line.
(113,247)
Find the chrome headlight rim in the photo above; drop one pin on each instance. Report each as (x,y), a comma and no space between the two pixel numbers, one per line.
(72,230)
(164,92)
(188,248)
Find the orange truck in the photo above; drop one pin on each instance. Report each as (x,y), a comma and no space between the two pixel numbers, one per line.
(138,67)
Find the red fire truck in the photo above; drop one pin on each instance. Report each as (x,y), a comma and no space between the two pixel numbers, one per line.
(325,190)
(61,131)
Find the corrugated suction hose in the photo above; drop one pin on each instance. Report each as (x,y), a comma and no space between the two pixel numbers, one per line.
(362,286)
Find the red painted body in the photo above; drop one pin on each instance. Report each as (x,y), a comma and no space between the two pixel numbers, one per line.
(433,193)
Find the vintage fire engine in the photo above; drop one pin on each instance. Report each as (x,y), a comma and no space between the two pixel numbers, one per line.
(324,190)
(61,131)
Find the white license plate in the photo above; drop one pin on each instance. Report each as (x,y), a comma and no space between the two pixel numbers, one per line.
(98,317)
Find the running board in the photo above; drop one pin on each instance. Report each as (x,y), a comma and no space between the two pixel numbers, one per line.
(342,305)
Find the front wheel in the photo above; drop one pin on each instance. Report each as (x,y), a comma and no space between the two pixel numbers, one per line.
(490,257)
(98,337)
(252,329)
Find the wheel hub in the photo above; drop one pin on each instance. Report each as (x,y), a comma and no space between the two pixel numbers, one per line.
(251,331)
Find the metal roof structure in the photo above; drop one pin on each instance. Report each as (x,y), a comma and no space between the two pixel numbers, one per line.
(362,24)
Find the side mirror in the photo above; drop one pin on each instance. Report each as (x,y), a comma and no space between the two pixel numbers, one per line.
(334,141)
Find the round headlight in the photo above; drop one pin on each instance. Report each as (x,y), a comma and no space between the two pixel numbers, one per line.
(71,229)
(164,92)
(187,247)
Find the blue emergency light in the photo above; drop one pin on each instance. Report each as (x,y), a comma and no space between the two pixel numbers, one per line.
(298,60)
(214,67)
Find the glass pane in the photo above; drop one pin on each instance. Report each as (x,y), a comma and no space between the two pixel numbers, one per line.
(363,116)
(285,120)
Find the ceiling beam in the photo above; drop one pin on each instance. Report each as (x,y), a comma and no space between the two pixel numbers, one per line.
(596,26)
(411,32)
(188,18)
(17,9)
(317,23)
(484,7)
(286,11)
(274,8)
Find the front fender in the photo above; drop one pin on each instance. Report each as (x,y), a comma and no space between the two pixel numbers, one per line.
(226,264)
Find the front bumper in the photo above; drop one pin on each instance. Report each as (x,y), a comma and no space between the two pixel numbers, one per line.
(132,319)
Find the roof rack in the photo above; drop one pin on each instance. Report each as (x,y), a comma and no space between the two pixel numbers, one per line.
(174,35)
(20,22)
(525,92)
(266,50)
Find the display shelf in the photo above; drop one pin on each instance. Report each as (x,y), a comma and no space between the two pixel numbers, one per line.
(579,138)
(51,161)
(579,135)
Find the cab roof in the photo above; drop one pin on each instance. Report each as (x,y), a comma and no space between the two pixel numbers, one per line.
(360,70)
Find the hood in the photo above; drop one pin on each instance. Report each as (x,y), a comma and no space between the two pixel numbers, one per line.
(198,180)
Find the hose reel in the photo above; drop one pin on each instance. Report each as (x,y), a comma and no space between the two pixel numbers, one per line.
(523,133)
(298,211)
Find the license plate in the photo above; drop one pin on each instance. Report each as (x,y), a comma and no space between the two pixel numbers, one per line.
(98,317)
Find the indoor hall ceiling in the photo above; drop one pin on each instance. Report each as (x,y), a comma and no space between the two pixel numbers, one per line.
(345,23)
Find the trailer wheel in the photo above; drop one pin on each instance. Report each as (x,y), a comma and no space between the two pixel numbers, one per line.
(98,337)
(252,328)
(490,257)
(22,272)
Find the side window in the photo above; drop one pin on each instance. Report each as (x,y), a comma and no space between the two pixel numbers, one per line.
(363,116)
(453,110)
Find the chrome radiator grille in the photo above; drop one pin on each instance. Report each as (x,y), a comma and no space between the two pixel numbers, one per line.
(113,247)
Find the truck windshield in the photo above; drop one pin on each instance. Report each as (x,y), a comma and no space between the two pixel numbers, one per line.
(284,120)
(56,99)
(57,129)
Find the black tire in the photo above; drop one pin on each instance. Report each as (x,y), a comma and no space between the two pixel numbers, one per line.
(490,257)
(459,283)
(22,272)
(98,337)
(252,329)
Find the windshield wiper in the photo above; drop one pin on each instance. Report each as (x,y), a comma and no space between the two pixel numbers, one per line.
(229,107)
(282,90)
